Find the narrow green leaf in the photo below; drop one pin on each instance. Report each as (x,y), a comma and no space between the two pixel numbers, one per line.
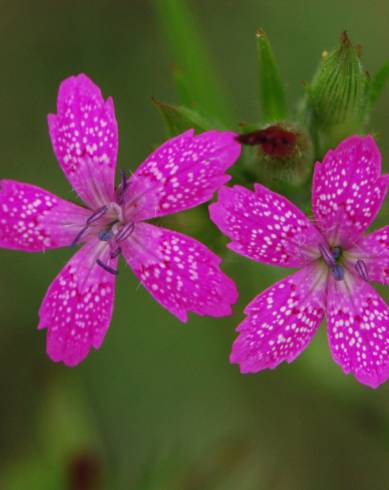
(191,55)
(184,96)
(378,82)
(271,88)
(179,118)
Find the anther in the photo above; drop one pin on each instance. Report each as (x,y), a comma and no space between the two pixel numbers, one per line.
(92,218)
(99,213)
(107,267)
(336,252)
(327,256)
(106,235)
(338,272)
(125,232)
(361,268)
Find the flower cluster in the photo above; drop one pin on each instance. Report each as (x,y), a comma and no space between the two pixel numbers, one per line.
(336,261)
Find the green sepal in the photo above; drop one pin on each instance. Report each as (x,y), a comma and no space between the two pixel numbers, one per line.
(377,83)
(271,88)
(179,118)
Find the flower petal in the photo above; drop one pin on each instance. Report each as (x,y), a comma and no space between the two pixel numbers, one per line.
(265,226)
(373,250)
(281,321)
(32,219)
(78,305)
(348,190)
(182,173)
(84,135)
(358,330)
(179,272)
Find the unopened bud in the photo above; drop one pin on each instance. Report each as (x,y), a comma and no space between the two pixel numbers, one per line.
(338,95)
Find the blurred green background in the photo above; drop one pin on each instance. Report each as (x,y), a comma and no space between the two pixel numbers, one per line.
(159,407)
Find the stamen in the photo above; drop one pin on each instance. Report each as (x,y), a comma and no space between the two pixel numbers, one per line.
(107,267)
(116,253)
(125,232)
(99,213)
(361,268)
(123,186)
(78,236)
(106,235)
(338,272)
(92,218)
(327,256)
(336,252)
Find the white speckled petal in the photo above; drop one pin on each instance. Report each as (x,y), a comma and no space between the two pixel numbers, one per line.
(281,321)
(348,190)
(78,305)
(373,250)
(358,330)
(33,220)
(182,173)
(181,273)
(265,226)
(84,135)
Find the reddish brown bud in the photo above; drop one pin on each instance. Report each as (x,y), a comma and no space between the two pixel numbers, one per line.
(275,141)
(281,153)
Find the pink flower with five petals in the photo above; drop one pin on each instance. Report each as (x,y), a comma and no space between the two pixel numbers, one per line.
(180,273)
(336,265)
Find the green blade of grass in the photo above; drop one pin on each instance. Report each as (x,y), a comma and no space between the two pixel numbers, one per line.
(191,55)
(183,91)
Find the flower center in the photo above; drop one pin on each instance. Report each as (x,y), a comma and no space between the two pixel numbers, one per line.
(332,257)
(110,226)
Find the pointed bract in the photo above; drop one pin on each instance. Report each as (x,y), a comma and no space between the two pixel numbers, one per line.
(178,119)
(271,87)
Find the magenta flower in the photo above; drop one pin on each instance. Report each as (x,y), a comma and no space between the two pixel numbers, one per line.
(336,265)
(180,273)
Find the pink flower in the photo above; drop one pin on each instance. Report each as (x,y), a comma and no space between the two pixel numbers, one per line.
(179,272)
(336,265)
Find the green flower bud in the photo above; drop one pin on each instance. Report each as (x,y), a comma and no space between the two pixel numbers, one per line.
(338,95)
